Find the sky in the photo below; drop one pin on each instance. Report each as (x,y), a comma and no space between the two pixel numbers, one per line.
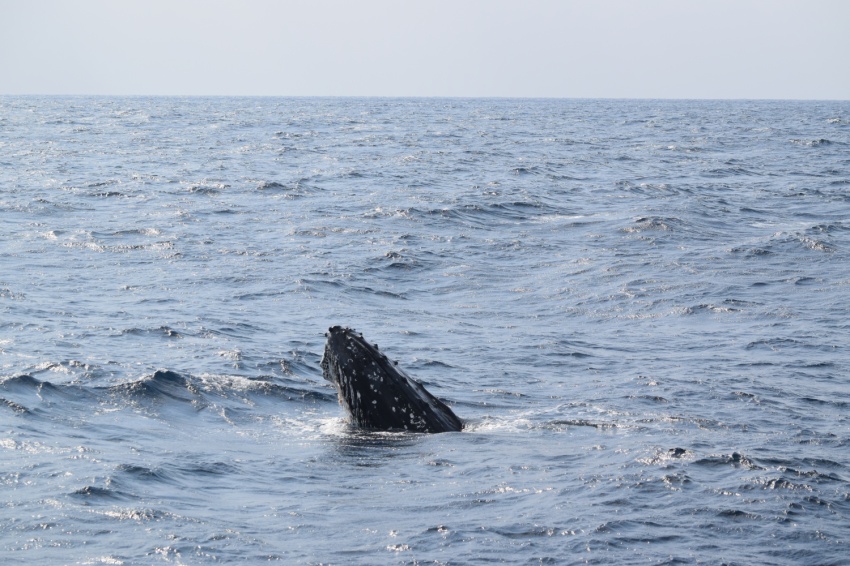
(755,49)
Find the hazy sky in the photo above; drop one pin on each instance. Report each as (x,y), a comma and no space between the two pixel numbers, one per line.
(538,48)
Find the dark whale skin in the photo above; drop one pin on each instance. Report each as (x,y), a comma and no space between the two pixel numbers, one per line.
(376,393)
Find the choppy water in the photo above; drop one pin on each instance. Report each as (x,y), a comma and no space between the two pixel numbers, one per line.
(639,307)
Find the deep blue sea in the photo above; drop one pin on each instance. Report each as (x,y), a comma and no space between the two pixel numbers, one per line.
(639,308)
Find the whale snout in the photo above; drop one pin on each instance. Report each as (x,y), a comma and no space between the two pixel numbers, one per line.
(375,392)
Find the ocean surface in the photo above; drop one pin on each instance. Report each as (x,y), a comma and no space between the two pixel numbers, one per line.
(639,308)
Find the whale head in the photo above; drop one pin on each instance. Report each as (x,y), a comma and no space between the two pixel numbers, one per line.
(375,392)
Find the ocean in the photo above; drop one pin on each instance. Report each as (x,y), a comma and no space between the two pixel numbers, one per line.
(639,308)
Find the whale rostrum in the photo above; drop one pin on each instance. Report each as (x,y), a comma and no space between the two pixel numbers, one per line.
(376,393)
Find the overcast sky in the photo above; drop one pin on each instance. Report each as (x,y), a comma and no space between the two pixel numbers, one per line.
(530,48)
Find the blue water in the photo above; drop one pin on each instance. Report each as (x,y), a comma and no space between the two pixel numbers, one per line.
(640,309)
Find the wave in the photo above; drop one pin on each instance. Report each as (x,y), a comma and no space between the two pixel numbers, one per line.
(812,143)
(405,260)
(200,189)
(164,331)
(27,395)
(162,385)
(708,308)
(733,171)
(16,407)
(485,215)
(650,223)
(91,492)
(788,243)
(299,187)
(107,194)
(166,385)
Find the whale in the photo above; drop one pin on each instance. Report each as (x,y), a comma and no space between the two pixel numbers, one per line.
(376,393)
